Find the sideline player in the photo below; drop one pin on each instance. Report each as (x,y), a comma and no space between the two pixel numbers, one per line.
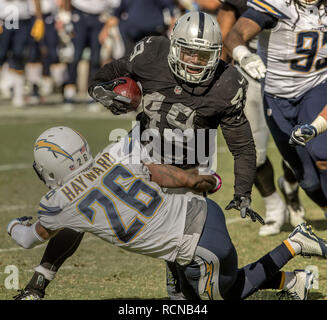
(186,87)
(88,21)
(137,19)
(43,56)
(15,29)
(292,48)
(276,211)
(119,201)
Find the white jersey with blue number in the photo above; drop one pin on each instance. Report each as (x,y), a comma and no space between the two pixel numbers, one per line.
(295,50)
(116,201)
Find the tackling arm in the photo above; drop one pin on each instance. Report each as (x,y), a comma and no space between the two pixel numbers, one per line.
(169,176)
(27,235)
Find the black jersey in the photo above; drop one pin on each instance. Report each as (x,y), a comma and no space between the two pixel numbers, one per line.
(170,104)
(240,6)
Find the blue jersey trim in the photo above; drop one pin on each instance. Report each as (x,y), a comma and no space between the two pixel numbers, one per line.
(264,20)
(49,211)
(268,8)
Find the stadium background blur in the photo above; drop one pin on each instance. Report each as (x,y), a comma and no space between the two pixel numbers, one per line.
(98,270)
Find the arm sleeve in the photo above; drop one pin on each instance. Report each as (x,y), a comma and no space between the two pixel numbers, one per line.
(240,143)
(26,236)
(238,135)
(264,20)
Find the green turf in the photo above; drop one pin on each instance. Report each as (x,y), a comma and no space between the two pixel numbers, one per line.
(99,270)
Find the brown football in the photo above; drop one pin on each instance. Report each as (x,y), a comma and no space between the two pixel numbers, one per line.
(131,90)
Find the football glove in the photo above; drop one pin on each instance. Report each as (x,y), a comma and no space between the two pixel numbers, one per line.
(302,134)
(250,62)
(242,204)
(253,65)
(104,94)
(22,220)
(38,30)
(218,182)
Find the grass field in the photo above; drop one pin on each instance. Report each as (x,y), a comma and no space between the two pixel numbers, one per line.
(99,270)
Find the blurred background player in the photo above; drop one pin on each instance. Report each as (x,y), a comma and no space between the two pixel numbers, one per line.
(15,30)
(276,210)
(88,21)
(138,18)
(208,6)
(294,85)
(43,70)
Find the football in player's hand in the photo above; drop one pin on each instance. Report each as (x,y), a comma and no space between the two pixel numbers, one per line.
(131,90)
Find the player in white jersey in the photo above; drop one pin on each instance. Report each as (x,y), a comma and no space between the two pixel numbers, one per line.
(293,67)
(116,196)
(276,210)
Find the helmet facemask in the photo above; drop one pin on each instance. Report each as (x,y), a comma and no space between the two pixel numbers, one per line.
(195,47)
(194,62)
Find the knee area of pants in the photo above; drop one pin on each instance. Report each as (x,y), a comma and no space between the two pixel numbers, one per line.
(53,57)
(309,186)
(192,272)
(226,251)
(17,63)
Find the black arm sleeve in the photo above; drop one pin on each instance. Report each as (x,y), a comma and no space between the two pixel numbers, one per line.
(238,135)
(240,143)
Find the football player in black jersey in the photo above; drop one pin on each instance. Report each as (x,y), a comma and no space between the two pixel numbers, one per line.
(276,211)
(185,86)
(192,89)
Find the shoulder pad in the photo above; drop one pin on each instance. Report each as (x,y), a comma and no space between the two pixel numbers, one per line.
(149,48)
(49,204)
(278,9)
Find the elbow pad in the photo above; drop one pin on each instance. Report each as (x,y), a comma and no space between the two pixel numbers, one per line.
(26,236)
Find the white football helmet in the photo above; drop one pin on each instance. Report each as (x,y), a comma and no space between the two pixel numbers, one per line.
(195,33)
(59,154)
